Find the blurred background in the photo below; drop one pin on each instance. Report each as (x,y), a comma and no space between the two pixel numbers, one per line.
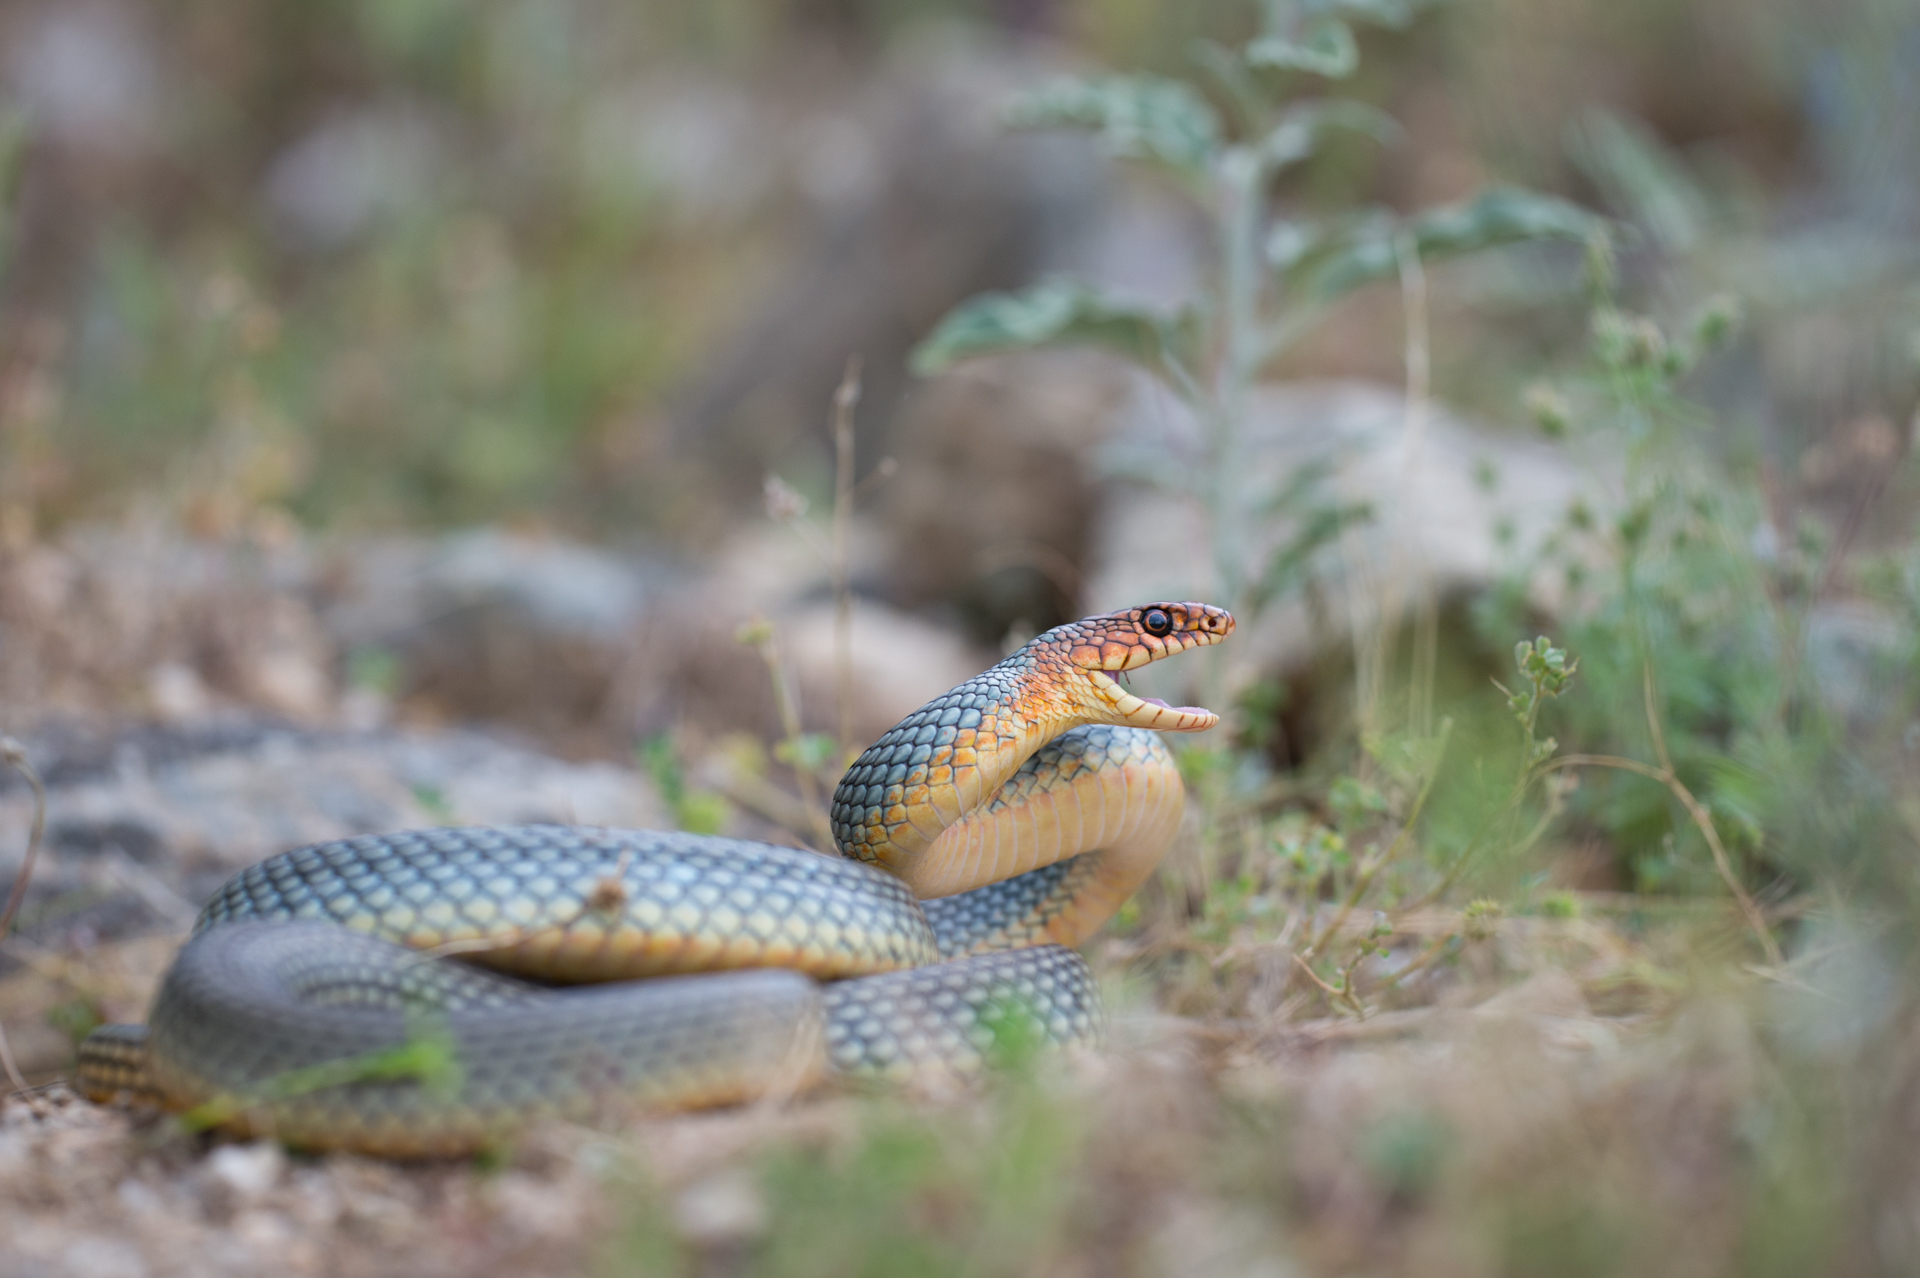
(589,273)
(424,410)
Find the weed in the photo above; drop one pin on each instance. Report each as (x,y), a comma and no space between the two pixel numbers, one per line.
(1276,276)
(695,810)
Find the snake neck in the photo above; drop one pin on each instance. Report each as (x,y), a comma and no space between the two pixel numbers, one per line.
(949,756)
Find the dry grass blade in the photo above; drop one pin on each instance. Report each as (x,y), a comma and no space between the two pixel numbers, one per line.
(16,754)
(1702,820)
(844,401)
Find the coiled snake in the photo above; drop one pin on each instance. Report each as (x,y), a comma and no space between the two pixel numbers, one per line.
(1025,805)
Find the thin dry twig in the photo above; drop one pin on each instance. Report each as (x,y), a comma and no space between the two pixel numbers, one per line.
(760,634)
(15,754)
(1365,879)
(844,401)
(1702,820)
(765,799)
(1314,976)
(1340,995)
(1413,295)
(12,1067)
(1421,964)
(1658,733)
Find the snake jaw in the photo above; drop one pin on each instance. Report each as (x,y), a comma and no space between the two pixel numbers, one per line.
(1123,709)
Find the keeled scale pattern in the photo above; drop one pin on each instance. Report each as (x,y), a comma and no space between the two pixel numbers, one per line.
(1007,914)
(927,769)
(1015,912)
(248,1012)
(538,897)
(953,1014)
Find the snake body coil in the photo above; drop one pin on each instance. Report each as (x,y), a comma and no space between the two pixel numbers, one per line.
(317,1000)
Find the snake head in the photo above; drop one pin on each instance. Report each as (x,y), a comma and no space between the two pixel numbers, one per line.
(1101,647)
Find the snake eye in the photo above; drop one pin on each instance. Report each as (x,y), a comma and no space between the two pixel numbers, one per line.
(1157,622)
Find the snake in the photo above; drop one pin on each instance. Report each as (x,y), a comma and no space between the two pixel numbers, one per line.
(429,993)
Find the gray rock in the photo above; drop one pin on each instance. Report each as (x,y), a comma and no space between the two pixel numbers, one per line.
(145,822)
(539,633)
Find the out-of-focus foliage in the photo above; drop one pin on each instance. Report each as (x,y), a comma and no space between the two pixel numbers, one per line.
(417,262)
(1327,263)
(1210,352)
(1065,313)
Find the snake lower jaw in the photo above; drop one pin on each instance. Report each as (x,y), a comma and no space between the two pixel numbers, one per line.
(1128,711)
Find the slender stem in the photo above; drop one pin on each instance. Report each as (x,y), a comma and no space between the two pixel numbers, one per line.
(15,754)
(788,703)
(1223,412)
(10,1065)
(1240,176)
(1394,849)
(1467,853)
(1335,995)
(1702,820)
(1361,883)
(844,400)
(1419,965)
(1653,719)
(12,752)
(1413,298)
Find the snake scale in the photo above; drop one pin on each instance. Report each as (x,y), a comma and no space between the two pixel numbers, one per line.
(428,993)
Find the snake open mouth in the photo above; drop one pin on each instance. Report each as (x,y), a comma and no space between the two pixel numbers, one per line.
(1151,712)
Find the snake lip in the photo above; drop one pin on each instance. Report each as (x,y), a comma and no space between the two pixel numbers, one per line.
(1151,712)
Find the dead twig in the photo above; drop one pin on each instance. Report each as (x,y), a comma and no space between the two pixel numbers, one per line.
(759,635)
(1702,819)
(844,400)
(14,1076)
(15,754)
(1340,995)
(1366,876)
(1421,964)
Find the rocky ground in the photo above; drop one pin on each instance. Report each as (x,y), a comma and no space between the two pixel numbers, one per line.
(1583,1092)
(1200,1144)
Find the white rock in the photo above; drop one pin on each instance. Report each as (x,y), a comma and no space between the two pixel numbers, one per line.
(1438,506)
(250,1171)
(723,1207)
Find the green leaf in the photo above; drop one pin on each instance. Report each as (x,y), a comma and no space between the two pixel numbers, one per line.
(1324,47)
(1291,560)
(1368,248)
(1501,215)
(1292,140)
(1640,177)
(1382,13)
(813,751)
(1289,242)
(1058,313)
(1307,253)
(1135,117)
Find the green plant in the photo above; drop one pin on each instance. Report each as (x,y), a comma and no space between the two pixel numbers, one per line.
(695,810)
(1696,616)
(1275,276)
